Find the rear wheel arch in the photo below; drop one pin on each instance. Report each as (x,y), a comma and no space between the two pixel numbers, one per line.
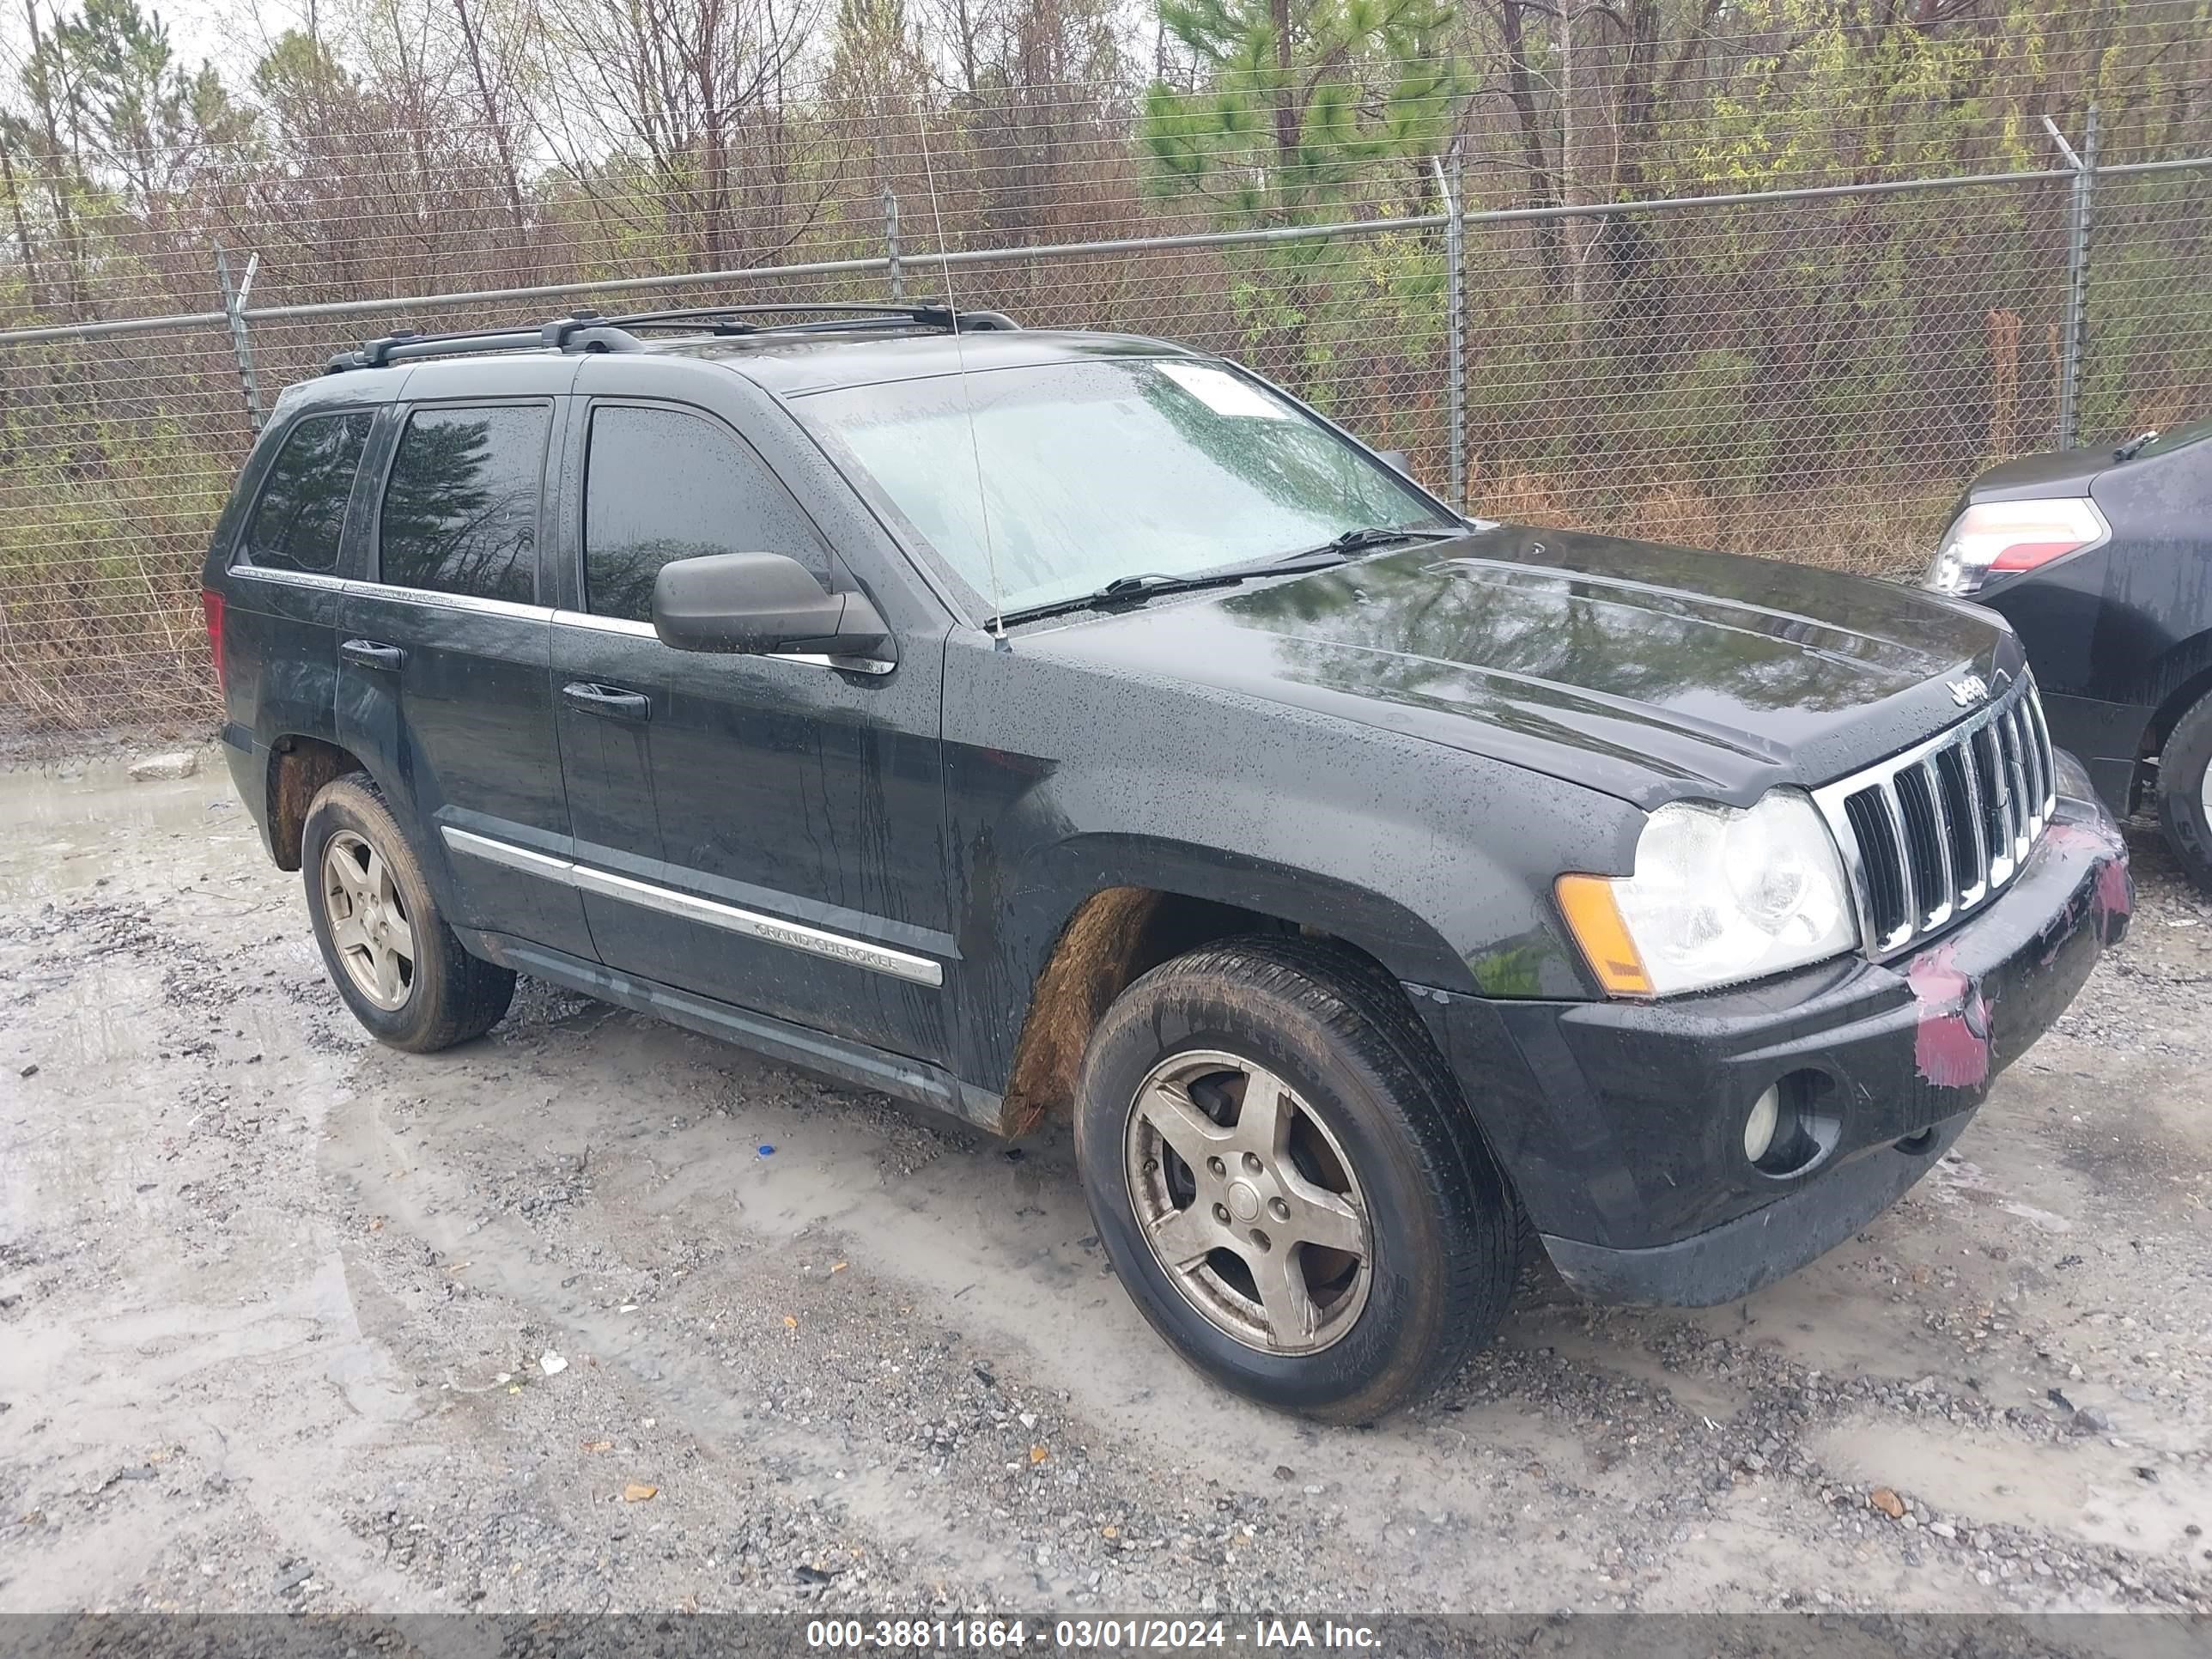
(299,767)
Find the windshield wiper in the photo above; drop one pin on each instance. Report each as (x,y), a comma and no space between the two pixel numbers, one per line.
(1127,589)
(1358,541)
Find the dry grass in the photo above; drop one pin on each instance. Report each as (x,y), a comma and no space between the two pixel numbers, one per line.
(1866,530)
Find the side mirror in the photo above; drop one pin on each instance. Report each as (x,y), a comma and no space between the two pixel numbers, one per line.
(1399,460)
(759,604)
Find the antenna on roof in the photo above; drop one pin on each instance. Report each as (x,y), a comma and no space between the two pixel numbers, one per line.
(960,357)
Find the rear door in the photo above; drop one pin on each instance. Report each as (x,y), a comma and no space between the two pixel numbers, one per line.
(444,659)
(765,831)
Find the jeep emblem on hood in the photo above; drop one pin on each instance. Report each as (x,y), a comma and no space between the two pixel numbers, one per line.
(1970,690)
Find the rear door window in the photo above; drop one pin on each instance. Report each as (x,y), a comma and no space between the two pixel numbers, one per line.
(300,519)
(460,506)
(662,485)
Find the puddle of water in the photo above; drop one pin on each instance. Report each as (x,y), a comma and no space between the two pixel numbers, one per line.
(1955,1178)
(106,793)
(59,835)
(2087,1489)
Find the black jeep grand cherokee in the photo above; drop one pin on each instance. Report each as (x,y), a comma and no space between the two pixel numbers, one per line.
(1028,723)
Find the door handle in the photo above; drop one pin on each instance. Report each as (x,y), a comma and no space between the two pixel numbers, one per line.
(611,701)
(373,653)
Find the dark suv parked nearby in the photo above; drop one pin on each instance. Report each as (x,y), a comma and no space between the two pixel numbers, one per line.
(1036,725)
(2101,559)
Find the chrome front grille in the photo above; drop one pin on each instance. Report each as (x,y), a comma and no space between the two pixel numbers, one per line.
(1937,831)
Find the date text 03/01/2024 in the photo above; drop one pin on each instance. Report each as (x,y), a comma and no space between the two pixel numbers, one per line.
(1086,1635)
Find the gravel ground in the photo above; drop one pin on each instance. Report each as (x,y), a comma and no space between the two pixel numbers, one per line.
(597,1315)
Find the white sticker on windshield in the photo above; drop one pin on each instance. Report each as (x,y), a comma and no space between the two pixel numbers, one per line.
(1223,393)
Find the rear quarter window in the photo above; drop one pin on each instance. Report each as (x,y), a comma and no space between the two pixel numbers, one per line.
(460,505)
(299,519)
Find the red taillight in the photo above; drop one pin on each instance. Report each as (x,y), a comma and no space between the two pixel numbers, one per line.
(1999,538)
(211,602)
(2026,556)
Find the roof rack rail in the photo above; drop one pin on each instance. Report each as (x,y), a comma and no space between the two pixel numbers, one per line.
(580,331)
(588,330)
(923,314)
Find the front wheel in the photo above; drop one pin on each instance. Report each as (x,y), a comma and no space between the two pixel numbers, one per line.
(1286,1180)
(2185,791)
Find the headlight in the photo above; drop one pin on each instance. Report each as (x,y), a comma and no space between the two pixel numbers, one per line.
(1995,537)
(1720,895)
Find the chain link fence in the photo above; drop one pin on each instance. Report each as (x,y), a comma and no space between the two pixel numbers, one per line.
(1811,373)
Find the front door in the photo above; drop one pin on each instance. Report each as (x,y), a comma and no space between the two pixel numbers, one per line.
(444,659)
(765,830)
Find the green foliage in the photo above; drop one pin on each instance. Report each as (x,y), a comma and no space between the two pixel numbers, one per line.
(1296,132)
(1318,122)
(132,103)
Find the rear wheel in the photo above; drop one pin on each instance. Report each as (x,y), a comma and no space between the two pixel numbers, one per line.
(389,952)
(2185,791)
(1286,1180)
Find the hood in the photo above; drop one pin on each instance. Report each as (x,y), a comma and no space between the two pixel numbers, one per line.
(1650,673)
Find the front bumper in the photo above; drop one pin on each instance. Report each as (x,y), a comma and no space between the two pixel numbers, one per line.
(1620,1124)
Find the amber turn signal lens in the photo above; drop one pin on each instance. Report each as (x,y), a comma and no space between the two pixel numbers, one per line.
(1595,921)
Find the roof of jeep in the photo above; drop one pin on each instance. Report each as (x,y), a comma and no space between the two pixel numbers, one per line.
(788,363)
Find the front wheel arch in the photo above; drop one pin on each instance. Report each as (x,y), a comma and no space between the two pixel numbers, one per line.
(1110,938)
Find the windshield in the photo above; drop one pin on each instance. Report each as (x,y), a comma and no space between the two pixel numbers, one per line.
(1091,471)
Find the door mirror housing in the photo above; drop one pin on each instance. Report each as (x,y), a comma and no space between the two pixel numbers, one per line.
(759,604)
(1398,461)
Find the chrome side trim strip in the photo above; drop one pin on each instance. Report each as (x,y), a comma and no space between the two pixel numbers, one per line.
(791,935)
(752,924)
(391,591)
(605,624)
(458,601)
(847,665)
(291,578)
(508,853)
(644,630)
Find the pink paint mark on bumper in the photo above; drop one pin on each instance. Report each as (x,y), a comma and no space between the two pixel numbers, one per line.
(1951,1047)
(2115,893)
(2116,889)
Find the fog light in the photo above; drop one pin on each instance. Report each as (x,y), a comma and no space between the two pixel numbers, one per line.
(1759,1128)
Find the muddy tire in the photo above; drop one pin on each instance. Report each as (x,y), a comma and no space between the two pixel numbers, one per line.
(386,948)
(1336,1244)
(2185,791)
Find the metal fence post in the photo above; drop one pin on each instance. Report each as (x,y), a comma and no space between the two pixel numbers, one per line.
(891,243)
(234,307)
(1456,320)
(2074,335)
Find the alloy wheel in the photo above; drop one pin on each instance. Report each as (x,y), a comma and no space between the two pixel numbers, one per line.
(370,932)
(1248,1202)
